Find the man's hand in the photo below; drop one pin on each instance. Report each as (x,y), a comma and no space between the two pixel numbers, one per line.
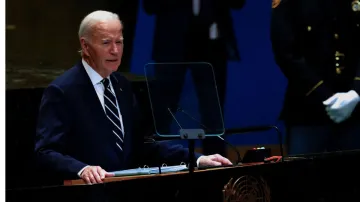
(273,159)
(213,160)
(94,174)
(340,106)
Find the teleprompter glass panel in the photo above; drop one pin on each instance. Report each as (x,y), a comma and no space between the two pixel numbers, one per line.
(184,96)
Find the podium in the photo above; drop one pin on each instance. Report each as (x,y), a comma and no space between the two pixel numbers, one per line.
(324,177)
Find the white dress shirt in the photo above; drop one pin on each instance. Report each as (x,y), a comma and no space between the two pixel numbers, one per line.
(100,89)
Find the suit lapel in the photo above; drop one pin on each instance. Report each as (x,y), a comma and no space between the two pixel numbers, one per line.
(90,97)
(123,103)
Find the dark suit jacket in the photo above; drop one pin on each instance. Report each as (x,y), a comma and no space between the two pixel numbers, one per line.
(306,36)
(172,24)
(73,131)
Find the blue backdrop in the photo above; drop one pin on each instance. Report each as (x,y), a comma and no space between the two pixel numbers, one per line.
(256,85)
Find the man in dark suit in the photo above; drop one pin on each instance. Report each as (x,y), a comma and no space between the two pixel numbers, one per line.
(195,31)
(87,115)
(316,44)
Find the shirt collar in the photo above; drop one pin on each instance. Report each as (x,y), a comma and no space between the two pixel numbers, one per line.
(94,76)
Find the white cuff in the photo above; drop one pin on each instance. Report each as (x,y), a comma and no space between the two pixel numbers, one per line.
(354,96)
(79,173)
(198,160)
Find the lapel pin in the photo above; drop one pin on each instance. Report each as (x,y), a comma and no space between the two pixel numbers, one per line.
(120,89)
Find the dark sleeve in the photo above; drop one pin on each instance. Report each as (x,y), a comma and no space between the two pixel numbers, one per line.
(286,45)
(52,129)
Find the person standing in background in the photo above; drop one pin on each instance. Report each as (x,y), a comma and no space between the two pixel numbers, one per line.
(316,44)
(195,31)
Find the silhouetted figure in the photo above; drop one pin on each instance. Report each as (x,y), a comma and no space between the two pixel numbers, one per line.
(195,31)
(316,44)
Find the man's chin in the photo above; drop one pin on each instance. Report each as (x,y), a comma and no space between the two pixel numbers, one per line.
(113,68)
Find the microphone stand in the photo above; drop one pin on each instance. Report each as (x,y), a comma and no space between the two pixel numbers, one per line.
(226,142)
(191,135)
(238,161)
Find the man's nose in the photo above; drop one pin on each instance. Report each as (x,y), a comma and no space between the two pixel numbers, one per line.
(114,49)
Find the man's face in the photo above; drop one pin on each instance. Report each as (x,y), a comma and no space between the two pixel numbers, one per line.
(104,49)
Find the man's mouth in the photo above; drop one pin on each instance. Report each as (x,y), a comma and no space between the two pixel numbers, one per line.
(114,60)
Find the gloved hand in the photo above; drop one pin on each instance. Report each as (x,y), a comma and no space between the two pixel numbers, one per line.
(340,106)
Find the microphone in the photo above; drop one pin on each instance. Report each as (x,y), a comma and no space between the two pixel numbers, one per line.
(174,118)
(226,142)
(191,147)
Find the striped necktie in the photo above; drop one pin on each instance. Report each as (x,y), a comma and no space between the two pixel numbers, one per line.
(112,114)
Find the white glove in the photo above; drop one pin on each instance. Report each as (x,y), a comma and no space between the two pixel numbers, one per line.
(341,105)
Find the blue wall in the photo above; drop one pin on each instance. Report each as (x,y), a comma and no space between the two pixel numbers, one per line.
(255,85)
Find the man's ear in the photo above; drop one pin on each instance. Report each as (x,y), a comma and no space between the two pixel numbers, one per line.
(84,46)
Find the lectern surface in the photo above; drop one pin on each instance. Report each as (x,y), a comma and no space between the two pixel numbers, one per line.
(142,176)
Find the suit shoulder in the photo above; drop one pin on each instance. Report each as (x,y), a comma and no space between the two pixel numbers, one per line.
(120,77)
(66,79)
(125,82)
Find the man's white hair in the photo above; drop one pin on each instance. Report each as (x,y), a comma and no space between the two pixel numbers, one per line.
(93,18)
